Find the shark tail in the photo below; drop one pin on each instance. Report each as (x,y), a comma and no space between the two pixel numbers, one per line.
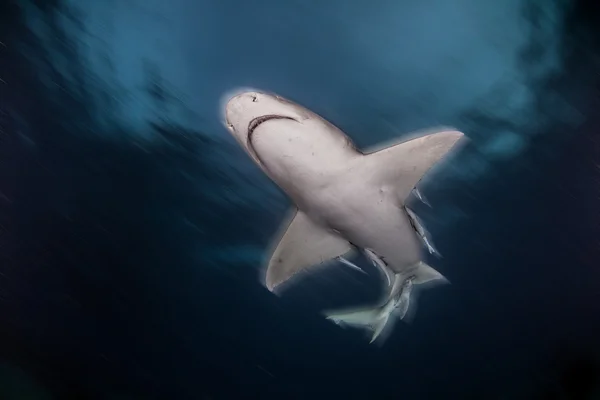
(399,301)
(402,293)
(378,327)
(423,273)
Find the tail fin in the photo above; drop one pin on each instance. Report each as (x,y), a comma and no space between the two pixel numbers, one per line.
(358,318)
(374,319)
(400,301)
(378,327)
(407,297)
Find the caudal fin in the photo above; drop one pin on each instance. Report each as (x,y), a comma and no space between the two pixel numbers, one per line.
(374,319)
(378,327)
(400,303)
(407,298)
(359,318)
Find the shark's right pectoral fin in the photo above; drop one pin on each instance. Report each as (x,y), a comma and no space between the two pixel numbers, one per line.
(304,244)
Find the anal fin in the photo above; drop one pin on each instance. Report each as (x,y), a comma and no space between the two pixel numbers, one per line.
(426,274)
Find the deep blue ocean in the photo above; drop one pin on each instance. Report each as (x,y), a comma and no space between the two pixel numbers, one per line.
(133,229)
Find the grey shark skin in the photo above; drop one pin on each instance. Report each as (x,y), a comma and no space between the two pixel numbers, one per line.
(344,198)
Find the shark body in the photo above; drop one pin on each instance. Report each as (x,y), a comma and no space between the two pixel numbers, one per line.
(345,199)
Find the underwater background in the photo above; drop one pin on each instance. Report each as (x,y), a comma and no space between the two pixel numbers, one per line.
(133,228)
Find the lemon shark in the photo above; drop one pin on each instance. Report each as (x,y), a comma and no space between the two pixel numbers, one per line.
(344,199)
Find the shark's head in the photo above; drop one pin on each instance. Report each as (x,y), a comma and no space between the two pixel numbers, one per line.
(246,112)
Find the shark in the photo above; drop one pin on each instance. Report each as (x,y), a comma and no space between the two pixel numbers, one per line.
(376,318)
(344,199)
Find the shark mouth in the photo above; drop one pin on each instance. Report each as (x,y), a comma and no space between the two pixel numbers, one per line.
(254,123)
(259,120)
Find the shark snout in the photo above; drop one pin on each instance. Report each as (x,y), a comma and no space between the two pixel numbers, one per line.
(240,108)
(245,98)
(246,109)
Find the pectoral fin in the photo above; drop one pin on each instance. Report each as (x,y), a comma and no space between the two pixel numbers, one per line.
(404,164)
(304,244)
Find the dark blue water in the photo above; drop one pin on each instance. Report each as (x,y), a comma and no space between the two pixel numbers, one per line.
(133,229)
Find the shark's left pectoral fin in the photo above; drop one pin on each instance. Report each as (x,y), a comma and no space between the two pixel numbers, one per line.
(403,164)
(304,244)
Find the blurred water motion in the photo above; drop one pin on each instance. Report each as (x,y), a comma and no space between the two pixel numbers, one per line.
(132,229)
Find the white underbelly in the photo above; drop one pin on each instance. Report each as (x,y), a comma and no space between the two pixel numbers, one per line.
(370,218)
